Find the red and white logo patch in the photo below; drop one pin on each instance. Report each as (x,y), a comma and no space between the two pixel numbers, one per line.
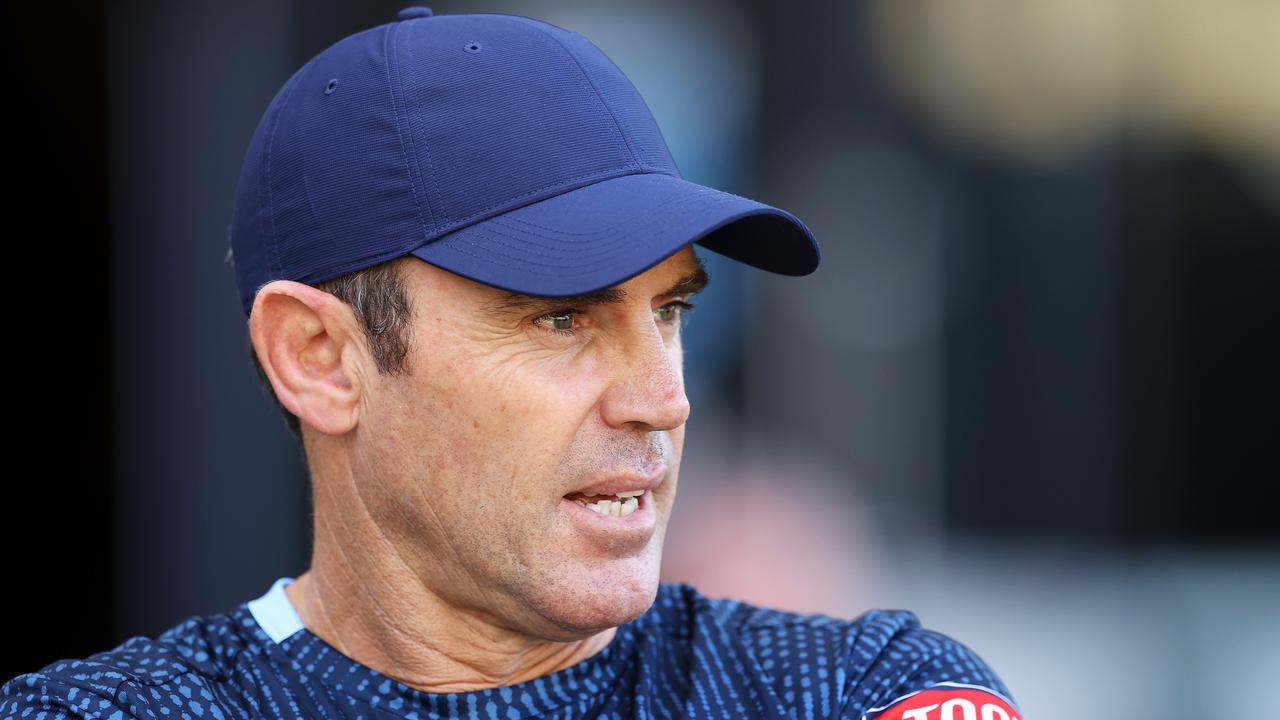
(947,701)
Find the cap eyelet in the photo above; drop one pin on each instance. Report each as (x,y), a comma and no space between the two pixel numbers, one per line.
(472,47)
(333,85)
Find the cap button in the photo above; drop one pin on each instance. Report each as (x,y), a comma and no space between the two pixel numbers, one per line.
(415,11)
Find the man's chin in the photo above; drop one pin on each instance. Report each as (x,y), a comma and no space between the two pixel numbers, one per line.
(595,601)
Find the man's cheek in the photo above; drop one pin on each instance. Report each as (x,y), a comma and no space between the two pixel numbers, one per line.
(541,401)
(504,429)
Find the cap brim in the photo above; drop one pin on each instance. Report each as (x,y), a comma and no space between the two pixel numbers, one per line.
(601,234)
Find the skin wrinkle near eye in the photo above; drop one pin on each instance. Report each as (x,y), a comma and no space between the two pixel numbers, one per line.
(510,302)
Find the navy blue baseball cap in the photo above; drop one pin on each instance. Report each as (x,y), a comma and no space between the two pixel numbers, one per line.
(501,148)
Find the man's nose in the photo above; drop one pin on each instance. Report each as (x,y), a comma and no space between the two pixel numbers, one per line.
(648,383)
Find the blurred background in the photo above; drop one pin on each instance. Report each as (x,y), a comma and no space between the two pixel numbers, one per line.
(1030,394)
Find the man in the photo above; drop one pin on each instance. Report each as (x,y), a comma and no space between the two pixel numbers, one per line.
(464,252)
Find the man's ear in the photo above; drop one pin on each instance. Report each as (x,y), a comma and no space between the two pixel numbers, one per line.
(304,338)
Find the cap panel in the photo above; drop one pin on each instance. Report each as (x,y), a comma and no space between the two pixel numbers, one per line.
(624,102)
(505,124)
(252,229)
(341,188)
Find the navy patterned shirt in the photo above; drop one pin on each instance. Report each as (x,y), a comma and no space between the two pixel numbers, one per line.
(687,656)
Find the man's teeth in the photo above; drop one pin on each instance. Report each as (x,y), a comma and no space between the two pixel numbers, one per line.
(615,508)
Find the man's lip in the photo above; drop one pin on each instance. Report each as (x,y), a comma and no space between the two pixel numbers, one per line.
(614,483)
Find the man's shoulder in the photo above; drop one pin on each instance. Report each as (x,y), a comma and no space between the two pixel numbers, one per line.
(865,661)
(200,648)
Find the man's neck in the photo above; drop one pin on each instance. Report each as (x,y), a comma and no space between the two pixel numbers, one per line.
(418,639)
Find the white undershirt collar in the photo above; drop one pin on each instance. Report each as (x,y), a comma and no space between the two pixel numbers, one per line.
(275,613)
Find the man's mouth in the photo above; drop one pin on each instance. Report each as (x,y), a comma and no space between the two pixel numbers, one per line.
(620,505)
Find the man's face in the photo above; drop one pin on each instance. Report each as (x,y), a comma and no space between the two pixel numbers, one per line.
(465,461)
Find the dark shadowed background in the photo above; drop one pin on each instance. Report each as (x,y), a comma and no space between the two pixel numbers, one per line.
(1030,394)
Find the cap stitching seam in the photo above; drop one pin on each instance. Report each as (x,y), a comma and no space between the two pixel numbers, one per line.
(606,240)
(534,267)
(602,248)
(605,247)
(362,262)
(596,91)
(526,265)
(272,246)
(496,235)
(411,154)
(610,233)
(493,261)
(610,173)
(503,219)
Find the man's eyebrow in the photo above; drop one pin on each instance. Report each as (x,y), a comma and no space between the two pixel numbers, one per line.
(509,302)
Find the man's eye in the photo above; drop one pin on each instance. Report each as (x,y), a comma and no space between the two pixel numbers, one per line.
(673,311)
(560,321)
